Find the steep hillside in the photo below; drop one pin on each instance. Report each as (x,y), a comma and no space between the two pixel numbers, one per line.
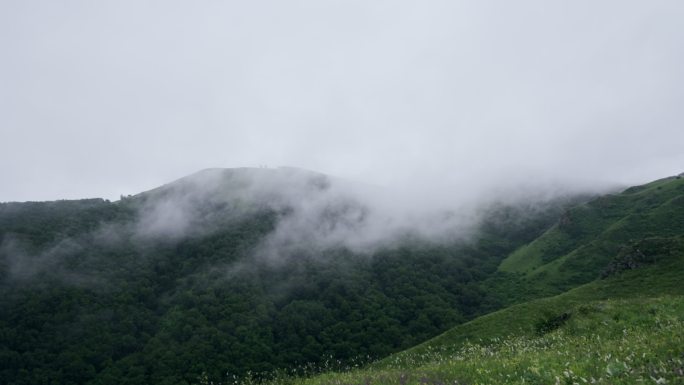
(627,328)
(578,248)
(230,271)
(618,261)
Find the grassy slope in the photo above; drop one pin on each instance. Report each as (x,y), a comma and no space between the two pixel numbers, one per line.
(606,342)
(575,250)
(663,278)
(616,331)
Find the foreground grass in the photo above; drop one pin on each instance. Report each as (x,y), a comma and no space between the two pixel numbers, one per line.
(604,342)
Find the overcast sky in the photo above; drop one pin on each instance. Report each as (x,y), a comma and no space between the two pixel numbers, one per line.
(102,98)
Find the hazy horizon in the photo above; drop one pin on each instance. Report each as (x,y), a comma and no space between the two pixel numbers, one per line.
(432,98)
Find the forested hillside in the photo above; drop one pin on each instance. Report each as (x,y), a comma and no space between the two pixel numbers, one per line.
(244,273)
(215,276)
(622,323)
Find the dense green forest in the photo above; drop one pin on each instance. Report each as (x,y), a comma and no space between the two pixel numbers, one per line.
(138,292)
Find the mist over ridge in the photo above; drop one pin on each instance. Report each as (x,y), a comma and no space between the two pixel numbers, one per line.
(299,265)
(385,177)
(320,212)
(311,213)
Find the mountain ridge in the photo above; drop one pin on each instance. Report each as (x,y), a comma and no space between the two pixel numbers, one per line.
(207,296)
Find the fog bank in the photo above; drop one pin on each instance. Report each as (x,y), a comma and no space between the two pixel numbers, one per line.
(430,98)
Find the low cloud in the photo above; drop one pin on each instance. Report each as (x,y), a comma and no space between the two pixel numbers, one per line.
(59,261)
(316,212)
